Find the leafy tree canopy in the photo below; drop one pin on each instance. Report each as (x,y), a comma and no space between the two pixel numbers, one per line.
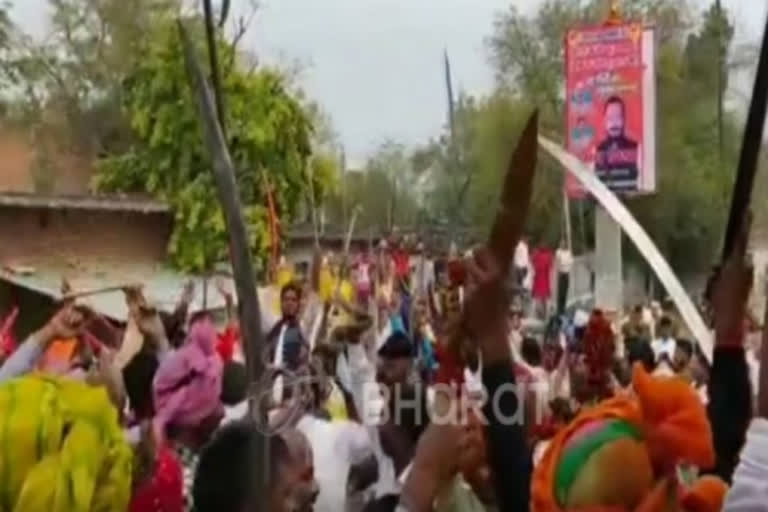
(110,82)
(695,171)
(269,139)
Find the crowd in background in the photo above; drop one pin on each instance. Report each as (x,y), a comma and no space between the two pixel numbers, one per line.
(615,408)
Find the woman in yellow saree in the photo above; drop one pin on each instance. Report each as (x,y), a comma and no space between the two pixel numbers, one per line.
(61,448)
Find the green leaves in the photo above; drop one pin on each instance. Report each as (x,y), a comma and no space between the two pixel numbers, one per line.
(686,216)
(268,130)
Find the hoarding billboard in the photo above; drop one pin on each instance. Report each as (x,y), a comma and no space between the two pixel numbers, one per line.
(611,105)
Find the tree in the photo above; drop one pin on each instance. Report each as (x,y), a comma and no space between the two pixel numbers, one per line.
(385,190)
(269,139)
(109,82)
(5,26)
(686,216)
(5,35)
(71,81)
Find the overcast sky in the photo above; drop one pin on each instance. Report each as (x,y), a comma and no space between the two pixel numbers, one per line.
(376,65)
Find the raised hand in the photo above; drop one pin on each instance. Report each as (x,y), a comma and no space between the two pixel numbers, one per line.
(146,316)
(731,291)
(484,313)
(68,322)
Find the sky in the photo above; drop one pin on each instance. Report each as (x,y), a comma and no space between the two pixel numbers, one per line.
(376,65)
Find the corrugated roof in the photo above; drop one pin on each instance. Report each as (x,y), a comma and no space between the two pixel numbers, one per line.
(103,203)
(162,286)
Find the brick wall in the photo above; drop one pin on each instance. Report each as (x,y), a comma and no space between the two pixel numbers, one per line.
(28,235)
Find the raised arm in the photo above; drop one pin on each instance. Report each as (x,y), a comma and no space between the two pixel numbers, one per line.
(67,323)
(730,396)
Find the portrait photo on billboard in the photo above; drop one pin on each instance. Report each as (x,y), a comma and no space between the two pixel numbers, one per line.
(610,107)
(617,152)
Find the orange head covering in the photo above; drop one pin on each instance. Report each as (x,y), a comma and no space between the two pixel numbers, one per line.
(621,455)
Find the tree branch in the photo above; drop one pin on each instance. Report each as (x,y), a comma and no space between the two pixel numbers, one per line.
(243,24)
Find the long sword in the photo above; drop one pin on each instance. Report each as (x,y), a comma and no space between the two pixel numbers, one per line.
(240,254)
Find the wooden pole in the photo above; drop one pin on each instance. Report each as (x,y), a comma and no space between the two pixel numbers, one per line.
(240,254)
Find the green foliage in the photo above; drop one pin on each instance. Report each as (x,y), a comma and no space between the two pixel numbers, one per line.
(5,26)
(686,217)
(269,136)
(386,191)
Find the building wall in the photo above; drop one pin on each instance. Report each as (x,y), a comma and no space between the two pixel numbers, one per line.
(31,235)
(68,173)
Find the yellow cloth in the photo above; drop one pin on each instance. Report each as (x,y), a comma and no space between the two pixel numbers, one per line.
(285,275)
(61,448)
(328,285)
(336,405)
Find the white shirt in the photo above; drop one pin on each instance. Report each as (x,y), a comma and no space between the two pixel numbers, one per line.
(515,338)
(522,258)
(580,318)
(423,275)
(388,483)
(749,492)
(277,387)
(664,346)
(564,261)
(336,446)
(235,412)
(753,366)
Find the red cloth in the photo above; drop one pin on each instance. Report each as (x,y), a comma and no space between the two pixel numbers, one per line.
(542,261)
(402,262)
(450,369)
(226,343)
(7,345)
(7,340)
(599,348)
(164,492)
(457,272)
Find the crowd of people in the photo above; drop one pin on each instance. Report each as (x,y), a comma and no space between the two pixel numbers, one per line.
(395,379)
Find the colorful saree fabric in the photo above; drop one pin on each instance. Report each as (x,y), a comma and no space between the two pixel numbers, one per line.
(61,448)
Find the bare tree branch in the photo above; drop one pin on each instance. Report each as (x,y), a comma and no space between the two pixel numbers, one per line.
(242,25)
